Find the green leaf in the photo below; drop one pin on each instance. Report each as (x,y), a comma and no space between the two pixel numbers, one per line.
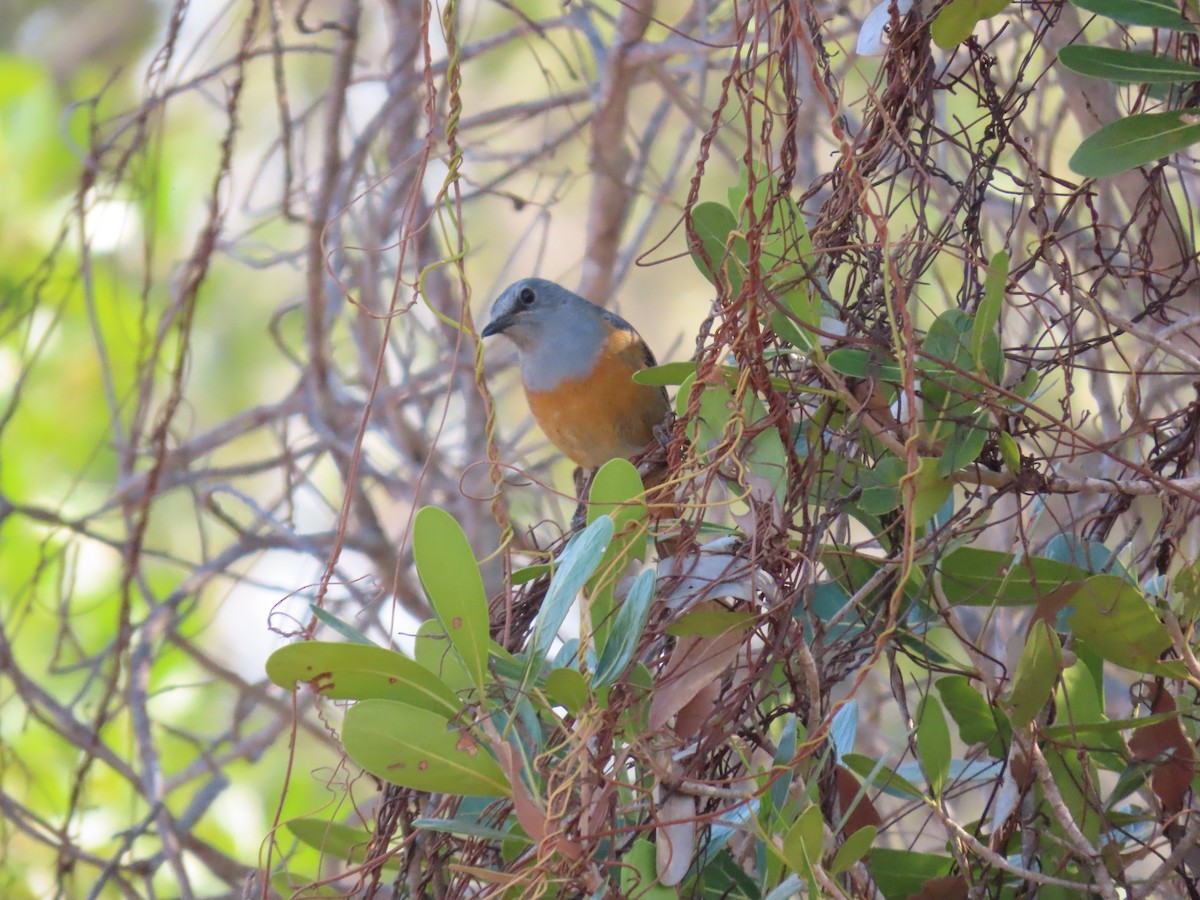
(863,364)
(433,651)
(450,576)
(931,491)
(1079,708)
(708,622)
(974,716)
(785,752)
(933,743)
(639,876)
(853,849)
(575,567)
(1135,141)
(1037,673)
(902,873)
(1081,733)
(567,688)
(722,879)
(803,842)
(881,775)
(527,574)
(987,316)
(766,457)
(1009,452)
(353,672)
(784,326)
(668,374)
(713,223)
(963,446)
(974,577)
(626,630)
(1154,13)
(418,749)
(331,621)
(880,486)
(1127,66)
(1113,618)
(617,492)
(958,18)
(470,828)
(1185,593)
(336,841)
(951,338)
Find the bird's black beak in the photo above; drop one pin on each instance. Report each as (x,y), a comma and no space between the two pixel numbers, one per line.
(496,326)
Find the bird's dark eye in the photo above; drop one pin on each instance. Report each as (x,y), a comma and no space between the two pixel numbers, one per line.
(526,296)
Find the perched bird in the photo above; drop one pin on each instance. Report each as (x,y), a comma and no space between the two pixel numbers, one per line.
(577,365)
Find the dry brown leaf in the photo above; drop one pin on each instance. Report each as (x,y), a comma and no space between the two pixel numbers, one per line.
(863,812)
(676,840)
(948,887)
(695,662)
(1167,742)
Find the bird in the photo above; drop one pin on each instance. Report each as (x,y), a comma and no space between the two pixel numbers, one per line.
(577,364)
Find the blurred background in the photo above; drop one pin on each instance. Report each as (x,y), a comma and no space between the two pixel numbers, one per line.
(244,248)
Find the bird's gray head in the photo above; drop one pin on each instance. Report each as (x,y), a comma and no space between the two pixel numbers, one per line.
(534,310)
(558,334)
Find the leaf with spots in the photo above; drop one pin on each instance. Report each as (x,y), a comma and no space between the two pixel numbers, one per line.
(450,576)
(418,749)
(354,672)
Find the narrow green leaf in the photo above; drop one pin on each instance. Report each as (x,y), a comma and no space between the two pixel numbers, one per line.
(470,828)
(626,630)
(617,492)
(1127,66)
(667,375)
(972,576)
(881,775)
(527,574)
(862,364)
(853,849)
(1037,674)
(1135,141)
(331,621)
(575,567)
(1153,13)
(987,316)
(785,751)
(933,743)
(450,576)
(418,749)
(349,671)
(1009,452)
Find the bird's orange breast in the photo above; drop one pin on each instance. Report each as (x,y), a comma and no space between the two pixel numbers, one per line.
(605,414)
